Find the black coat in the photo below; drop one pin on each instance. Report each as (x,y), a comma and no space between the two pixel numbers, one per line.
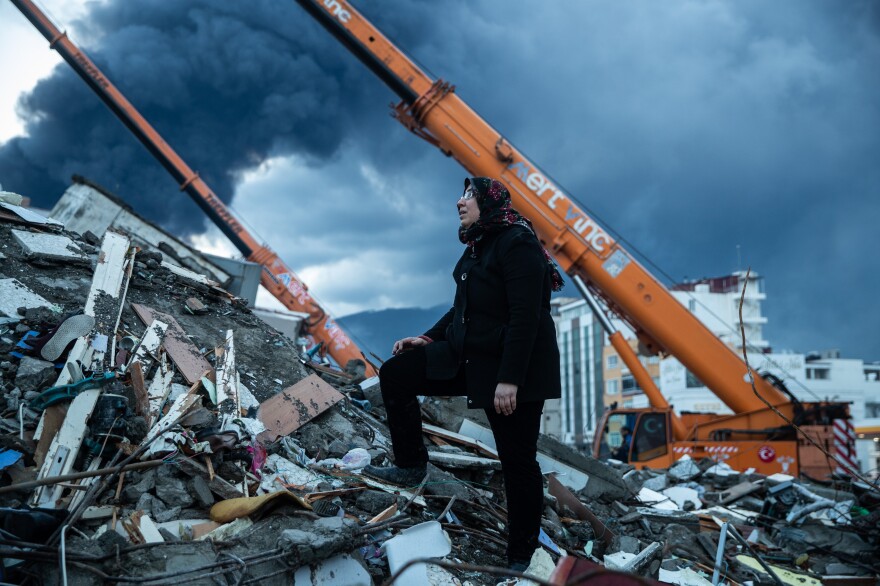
(499,328)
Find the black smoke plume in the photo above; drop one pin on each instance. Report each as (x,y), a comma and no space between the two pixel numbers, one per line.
(227,84)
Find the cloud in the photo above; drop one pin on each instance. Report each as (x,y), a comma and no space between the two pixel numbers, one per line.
(690,128)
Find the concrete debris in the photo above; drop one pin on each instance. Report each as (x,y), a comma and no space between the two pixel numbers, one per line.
(34,374)
(183,439)
(48,247)
(14,296)
(425,540)
(340,569)
(683,470)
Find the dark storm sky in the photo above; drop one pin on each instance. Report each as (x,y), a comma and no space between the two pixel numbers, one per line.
(689,127)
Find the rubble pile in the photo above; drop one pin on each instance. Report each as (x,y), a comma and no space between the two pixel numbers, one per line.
(154,430)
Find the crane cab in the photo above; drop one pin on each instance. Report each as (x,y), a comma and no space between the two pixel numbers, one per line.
(641,437)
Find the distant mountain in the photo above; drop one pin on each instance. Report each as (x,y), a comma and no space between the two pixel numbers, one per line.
(376,331)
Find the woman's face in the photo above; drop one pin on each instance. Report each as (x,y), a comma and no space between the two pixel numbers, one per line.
(468,210)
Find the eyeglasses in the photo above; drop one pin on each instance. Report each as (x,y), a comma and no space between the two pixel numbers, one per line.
(468,194)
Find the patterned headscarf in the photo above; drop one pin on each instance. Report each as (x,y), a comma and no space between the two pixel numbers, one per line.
(497,215)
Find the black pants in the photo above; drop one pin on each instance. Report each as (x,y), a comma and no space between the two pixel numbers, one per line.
(402,379)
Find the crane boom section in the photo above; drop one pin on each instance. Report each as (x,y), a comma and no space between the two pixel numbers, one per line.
(276,277)
(581,246)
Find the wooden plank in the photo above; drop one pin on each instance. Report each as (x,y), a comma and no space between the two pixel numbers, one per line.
(142,401)
(84,484)
(65,446)
(104,303)
(227,378)
(182,352)
(189,275)
(464,461)
(149,345)
(460,439)
(415,499)
(51,422)
(178,409)
(295,406)
(386,514)
(159,388)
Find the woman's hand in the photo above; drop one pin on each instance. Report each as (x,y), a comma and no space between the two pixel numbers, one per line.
(407,344)
(505,398)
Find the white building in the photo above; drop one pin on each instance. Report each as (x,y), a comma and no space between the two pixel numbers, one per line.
(715,302)
(810,377)
(580,340)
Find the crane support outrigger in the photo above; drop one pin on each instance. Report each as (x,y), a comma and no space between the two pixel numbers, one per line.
(755,435)
(275,276)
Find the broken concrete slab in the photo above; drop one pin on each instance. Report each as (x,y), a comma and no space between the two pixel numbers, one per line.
(683,470)
(656,500)
(320,539)
(686,498)
(655,483)
(173,491)
(420,541)
(53,247)
(579,473)
(14,294)
(463,461)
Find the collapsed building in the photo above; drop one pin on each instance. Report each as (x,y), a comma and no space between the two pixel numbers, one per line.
(169,434)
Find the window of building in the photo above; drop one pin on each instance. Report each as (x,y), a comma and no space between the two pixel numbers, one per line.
(612,361)
(819,373)
(629,386)
(692,305)
(612,387)
(692,382)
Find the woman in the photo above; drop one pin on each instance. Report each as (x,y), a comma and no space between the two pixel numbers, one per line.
(496,345)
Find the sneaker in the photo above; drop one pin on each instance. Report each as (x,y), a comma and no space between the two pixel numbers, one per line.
(68,331)
(399,476)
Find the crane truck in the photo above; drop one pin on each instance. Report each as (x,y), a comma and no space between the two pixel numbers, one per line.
(275,276)
(768,426)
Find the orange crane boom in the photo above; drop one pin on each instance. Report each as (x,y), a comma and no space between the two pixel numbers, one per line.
(276,276)
(768,428)
(433,111)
